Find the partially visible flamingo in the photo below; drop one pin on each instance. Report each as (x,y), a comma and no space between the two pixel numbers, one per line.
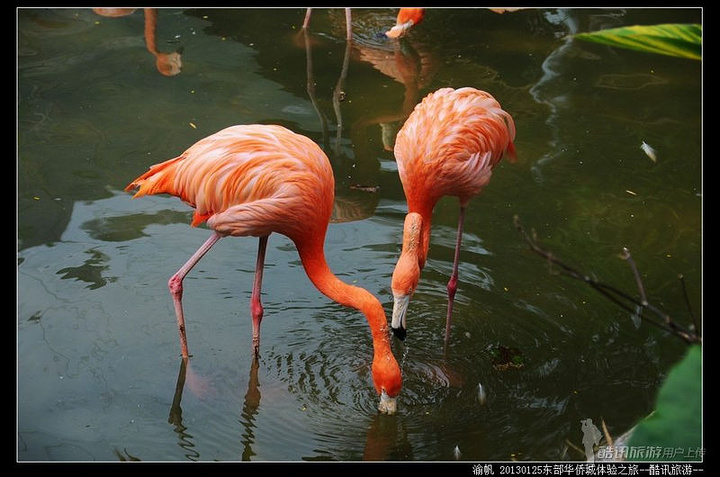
(406,19)
(168,64)
(252,180)
(448,146)
(114,12)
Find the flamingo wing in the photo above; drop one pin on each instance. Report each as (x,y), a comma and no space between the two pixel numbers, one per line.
(249,180)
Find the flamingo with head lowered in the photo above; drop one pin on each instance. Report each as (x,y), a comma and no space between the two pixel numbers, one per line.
(253,180)
(407,18)
(448,146)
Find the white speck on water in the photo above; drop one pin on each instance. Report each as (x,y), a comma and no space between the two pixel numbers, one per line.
(295,109)
(649,151)
(482,395)
(457,453)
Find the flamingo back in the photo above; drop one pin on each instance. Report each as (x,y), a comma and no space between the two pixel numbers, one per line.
(250,180)
(450,144)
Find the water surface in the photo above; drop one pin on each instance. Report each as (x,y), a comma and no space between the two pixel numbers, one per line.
(99,373)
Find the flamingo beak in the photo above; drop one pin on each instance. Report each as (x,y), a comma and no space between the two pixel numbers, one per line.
(400,306)
(388,405)
(400,30)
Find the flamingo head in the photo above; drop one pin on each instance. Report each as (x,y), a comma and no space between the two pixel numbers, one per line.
(388,382)
(406,19)
(406,274)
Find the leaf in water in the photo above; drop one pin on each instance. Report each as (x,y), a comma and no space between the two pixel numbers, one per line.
(648,149)
(674,39)
(676,423)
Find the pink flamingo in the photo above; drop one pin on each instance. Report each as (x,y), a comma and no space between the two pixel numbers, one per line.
(449,145)
(252,180)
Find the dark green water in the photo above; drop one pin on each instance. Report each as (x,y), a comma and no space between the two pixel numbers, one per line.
(97,347)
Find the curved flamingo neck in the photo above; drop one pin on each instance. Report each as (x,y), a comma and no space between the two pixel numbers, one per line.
(407,269)
(425,211)
(313,259)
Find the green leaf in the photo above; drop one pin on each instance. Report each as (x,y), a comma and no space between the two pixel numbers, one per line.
(676,423)
(674,39)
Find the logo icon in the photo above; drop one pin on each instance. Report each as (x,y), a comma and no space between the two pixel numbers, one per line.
(591,438)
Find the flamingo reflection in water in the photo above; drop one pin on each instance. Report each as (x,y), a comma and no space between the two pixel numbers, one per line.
(406,19)
(366,39)
(411,62)
(168,64)
(408,60)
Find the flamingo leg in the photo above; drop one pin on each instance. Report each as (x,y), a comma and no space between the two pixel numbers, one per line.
(452,283)
(176,287)
(256,308)
(348,25)
(308,14)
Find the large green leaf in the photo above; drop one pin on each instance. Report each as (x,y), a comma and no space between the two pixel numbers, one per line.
(675,39)
(674,430)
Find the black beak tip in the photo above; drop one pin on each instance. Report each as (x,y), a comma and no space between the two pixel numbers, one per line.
(400,333)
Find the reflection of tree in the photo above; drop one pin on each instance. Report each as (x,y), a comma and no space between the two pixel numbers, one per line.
(91,271)
(551,68)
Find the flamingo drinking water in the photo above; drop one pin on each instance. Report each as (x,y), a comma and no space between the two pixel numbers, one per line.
(253,180)
(449,145)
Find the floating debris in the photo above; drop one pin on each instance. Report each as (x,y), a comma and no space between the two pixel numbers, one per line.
(389,131)
(364,188)
(505,358)
(647,149)
(457,453)
(482,395)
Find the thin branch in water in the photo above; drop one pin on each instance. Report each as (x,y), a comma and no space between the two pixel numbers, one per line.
(695,326)
(618,297)
(641,289)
